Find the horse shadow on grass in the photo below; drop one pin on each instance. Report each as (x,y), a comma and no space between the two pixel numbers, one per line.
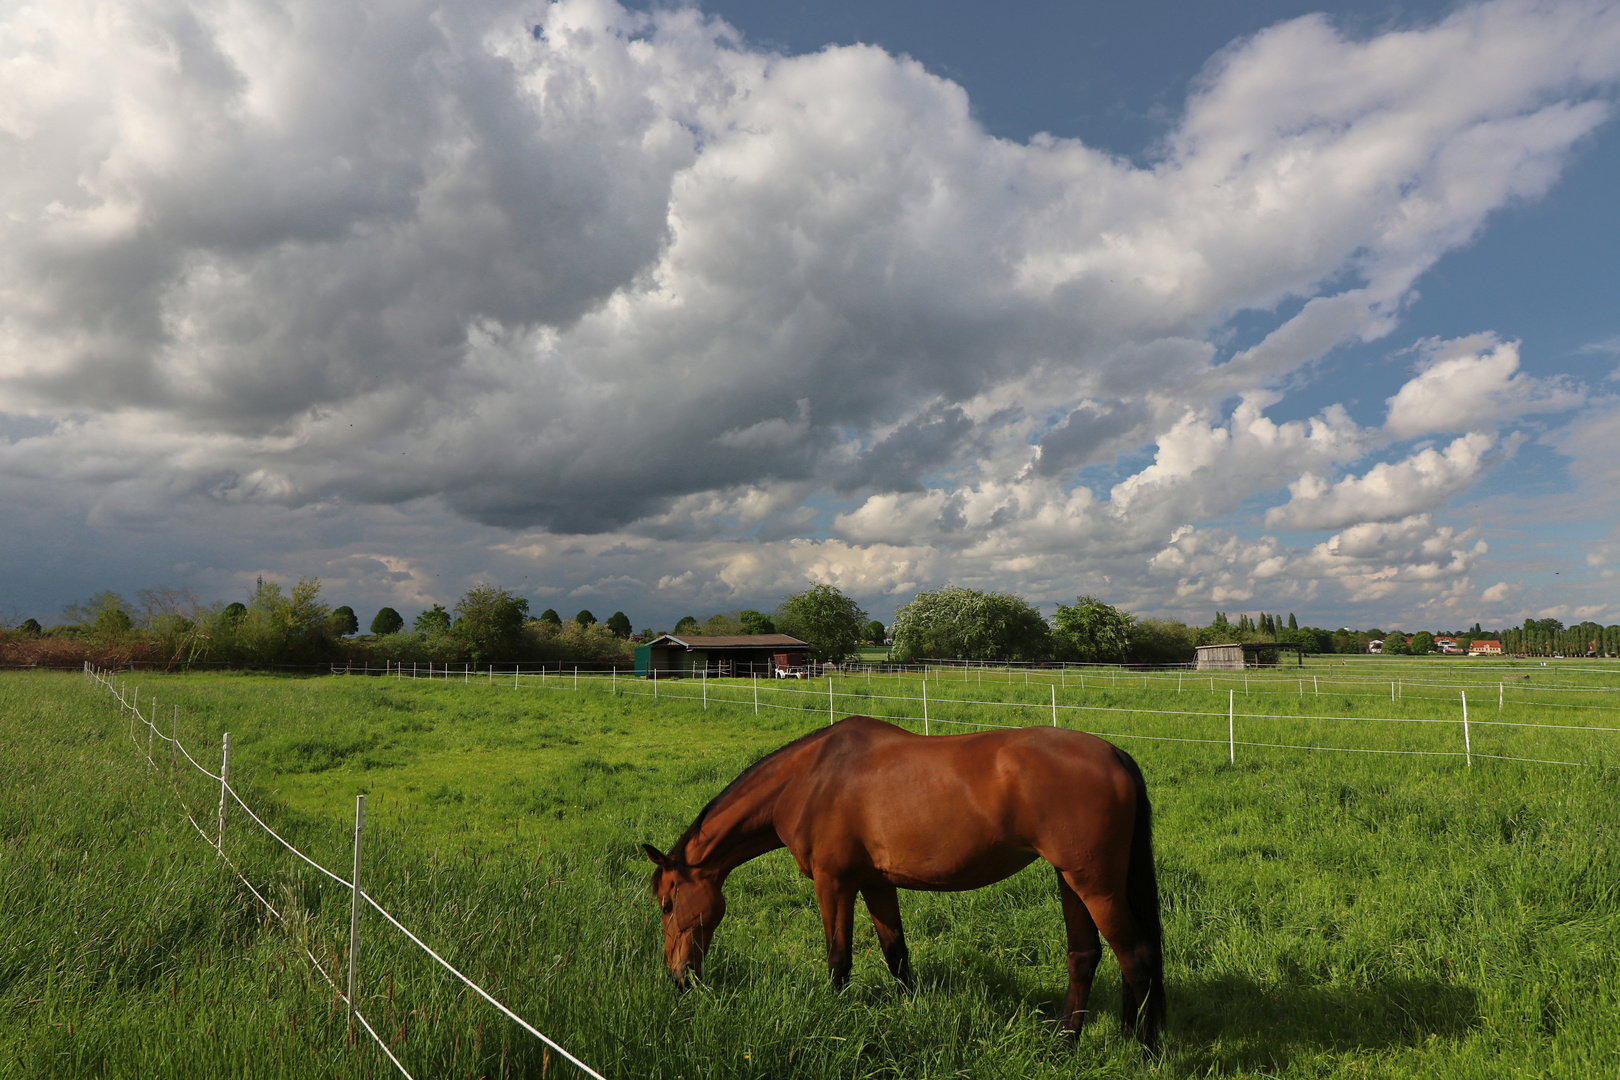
(1232,1023)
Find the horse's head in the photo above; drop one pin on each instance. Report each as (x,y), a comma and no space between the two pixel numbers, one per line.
(692,906)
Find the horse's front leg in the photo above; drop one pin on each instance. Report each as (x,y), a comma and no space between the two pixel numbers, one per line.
(883,902)
(837,900)
(1085,950)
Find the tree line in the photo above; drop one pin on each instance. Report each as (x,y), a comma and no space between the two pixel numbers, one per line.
(490,624)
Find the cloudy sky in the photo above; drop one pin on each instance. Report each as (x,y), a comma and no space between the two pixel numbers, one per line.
(676,309)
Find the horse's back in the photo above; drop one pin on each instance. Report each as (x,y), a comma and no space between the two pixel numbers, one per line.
(958,811)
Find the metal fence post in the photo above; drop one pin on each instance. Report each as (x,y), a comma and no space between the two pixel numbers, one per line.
(151,730)
(174,741)
(830,700)
(354,903)
(576,676)
(704,679)
(925,706)
(1231,728)
(1054,706)
(224,782)
(756,692)
(1468,750)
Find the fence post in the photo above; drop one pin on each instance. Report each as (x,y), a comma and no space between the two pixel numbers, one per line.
(756,690)
(1231,728)
(151,730)
(174,741)
(576,676)
(1392,691)
(354,903)
(1179,674)
(1054,706)
(830,698)
(1468,750)
(1316,686)
(615,680)
(705,681)
(224,781)
(925,706)
(1498,697)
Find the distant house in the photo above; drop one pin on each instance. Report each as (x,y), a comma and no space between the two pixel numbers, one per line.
(1485,648)
(1446,644)
(1376,645)
(694,655)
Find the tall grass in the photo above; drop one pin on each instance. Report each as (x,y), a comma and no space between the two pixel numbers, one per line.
(1326,914)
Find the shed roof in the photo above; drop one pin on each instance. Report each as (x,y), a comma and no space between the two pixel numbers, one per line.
(730,641)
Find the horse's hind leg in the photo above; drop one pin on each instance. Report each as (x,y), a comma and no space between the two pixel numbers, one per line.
(883,902)
(1085,950)
(1113,916)
(837,902)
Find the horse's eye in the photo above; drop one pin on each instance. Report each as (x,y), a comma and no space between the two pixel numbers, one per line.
(667,906)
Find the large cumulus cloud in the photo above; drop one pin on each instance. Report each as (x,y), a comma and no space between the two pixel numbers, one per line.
(572,270)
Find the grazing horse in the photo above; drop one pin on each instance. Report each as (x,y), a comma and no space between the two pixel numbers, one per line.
(867,807)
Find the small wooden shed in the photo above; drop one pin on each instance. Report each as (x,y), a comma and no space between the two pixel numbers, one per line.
(720,656)
(1236,657)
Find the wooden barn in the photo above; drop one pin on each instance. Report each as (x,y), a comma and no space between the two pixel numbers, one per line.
(1251,654)
(720,656)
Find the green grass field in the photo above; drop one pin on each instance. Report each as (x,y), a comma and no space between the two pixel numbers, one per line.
(1327,914)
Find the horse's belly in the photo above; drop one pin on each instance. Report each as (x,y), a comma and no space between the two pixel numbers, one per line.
(944,872)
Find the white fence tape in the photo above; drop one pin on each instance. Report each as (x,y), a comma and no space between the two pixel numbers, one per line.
(716,695)
(218,850)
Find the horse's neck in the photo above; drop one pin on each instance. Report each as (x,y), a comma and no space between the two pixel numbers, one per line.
(741,826)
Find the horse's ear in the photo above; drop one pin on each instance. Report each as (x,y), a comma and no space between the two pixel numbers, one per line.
(658,857)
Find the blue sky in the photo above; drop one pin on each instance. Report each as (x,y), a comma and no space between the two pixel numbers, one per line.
(1261,306)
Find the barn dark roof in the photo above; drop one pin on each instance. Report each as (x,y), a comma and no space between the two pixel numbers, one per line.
(731,641)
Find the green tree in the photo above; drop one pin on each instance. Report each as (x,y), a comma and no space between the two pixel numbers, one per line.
(956,623)
(284,626)
(344,621)
(1096,631)
(1422,643)
(388,621)
(584,618)
(875,633)
(1293,624)
(1395,644)
(1161,641)
(721,625)
(489,622)
(688,627)
(30,627)
(551,618)
(435,620)
(825,618)
(754,622)
(234,613)
(619,623)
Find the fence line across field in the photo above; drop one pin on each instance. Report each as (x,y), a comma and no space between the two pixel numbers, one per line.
(353,884)
(1232,716)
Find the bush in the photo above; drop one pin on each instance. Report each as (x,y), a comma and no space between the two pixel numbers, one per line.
(1161,641)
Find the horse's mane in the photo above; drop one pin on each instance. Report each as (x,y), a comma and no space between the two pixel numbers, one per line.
(677,853)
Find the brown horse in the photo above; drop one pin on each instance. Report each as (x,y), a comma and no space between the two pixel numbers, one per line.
(866,807)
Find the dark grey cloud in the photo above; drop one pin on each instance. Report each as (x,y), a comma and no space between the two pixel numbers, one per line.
(1088,430)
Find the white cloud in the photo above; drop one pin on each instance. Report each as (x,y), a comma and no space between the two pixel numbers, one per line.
(1387,491)
(627,278)
(1472,382)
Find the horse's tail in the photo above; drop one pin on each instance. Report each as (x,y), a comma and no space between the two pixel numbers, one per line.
(1142,894)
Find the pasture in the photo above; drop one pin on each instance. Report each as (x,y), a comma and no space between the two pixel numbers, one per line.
(1326,914)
